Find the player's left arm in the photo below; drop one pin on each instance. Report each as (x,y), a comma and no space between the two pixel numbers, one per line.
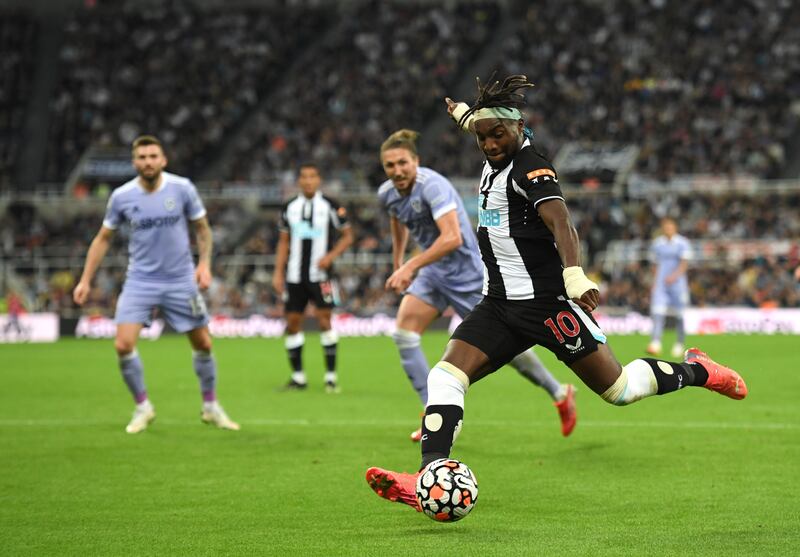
(556,217)
(205,244)
(346,237)
(345,240)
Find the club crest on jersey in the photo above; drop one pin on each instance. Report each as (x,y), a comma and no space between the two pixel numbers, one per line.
(416,204)
(169,204)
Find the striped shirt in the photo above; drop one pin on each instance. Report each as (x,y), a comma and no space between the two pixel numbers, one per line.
(518,250)
(310,224)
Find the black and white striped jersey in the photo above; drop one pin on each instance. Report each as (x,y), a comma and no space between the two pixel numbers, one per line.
(310,224)
(518,250)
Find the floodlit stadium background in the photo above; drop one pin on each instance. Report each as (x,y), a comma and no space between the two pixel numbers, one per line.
(647,108)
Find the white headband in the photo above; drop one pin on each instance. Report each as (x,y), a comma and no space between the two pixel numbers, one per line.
(500,112)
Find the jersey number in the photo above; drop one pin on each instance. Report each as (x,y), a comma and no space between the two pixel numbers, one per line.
(198,305)
(567,324)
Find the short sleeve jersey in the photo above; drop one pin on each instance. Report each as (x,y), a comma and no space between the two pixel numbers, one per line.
(159,249)
(431,197)
(311,223)
(518,250)
(667,254)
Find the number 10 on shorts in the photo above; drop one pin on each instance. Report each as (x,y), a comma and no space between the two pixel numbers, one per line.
(567,325)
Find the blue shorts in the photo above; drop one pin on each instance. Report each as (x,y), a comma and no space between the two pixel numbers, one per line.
(674,297)
(436,294)
(180,303)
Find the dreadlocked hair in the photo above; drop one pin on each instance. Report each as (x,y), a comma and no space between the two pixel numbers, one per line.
(496,94)
(401,139)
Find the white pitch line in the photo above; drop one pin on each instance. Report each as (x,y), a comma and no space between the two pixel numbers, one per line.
(52,422)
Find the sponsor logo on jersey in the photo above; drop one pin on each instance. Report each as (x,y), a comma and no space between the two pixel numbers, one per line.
(488,217)
(156,222)
(304,231)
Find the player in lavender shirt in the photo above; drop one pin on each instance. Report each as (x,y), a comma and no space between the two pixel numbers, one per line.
(158,207)
(670,295)
(424,204)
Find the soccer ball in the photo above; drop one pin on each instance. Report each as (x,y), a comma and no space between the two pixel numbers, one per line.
(447,490)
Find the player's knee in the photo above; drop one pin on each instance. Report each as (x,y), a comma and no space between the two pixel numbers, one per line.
(202,345)
(447,385)
(635,382)
(616,393)
(405,339)
(293,325)
(124,346)
(324,320)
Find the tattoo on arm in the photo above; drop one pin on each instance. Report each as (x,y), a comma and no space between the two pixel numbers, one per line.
(204,240)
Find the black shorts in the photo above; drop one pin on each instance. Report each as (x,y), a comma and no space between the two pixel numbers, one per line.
(501,329)
(323,294)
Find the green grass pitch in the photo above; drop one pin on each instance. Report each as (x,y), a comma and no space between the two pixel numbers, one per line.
(692,473)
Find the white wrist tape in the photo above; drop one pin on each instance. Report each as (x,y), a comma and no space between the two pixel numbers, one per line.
(576,283)
(458,112)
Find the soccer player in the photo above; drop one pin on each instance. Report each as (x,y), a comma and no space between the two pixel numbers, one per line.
(158,206)
(448,272)
(670,293)
(303,266)
(536,292)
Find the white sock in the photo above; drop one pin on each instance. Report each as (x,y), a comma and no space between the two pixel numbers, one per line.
(145,405)
(299,377)
(210,406)
(330,377)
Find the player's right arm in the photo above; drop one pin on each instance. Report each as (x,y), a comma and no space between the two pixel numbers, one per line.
(97,251)
(449,239)
(399,241)
(281,256)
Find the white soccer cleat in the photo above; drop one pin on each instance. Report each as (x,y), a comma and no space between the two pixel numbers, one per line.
(214,414)
(142,416)
(677,350)
(654,348)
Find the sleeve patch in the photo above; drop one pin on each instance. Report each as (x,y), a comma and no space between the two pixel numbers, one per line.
(540,172)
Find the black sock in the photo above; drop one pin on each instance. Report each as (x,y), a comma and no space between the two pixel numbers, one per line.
(672,376)
(330,357)
(296,358)
(437,443)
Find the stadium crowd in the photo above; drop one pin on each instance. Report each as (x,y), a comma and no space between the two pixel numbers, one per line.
(18,34)
(700,87)
(242,283)
(388,68)
(187,75)
(722,98)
